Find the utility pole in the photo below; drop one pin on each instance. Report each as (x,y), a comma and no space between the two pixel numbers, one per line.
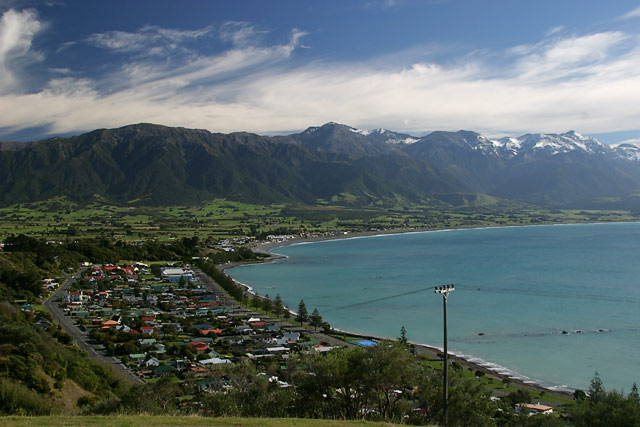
(444,290)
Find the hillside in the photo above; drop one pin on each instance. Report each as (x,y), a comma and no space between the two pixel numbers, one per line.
(156,165)
(149,420)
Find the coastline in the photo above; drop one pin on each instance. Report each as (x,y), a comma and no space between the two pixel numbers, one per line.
(469,362)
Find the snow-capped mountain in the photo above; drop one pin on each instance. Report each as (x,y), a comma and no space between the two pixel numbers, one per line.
(391,137)
(551,144)
(627,151)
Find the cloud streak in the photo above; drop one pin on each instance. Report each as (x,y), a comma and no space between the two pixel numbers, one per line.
(635,13)
(588,82)
(148,41)
(17,30)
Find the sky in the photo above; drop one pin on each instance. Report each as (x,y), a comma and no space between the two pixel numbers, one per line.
(497,67)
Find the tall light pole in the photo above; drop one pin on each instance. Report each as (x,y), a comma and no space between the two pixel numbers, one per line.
(444,290)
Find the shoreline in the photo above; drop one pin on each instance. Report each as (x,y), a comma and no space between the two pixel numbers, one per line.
(490,369)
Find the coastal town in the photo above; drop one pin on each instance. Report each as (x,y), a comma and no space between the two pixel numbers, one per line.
(179,322)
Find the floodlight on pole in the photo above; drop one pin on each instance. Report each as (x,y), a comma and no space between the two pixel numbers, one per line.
(444,290)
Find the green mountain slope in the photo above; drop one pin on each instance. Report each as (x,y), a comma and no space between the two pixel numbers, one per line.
(160,165)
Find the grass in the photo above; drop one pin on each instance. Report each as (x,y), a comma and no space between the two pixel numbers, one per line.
(145,420)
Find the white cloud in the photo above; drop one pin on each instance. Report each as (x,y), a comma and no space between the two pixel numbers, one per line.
(555,30)
(590,83)
(565,57)
(17,30)
(149,40)
(635,13)
(240,33)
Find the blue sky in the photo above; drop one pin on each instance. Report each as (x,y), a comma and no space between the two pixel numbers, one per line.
(497,67)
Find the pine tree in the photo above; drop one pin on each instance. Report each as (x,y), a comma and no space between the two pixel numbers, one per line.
(278,308)
(316,319)
(403,336)
(596,389)
(303,315)
(255,301)
(267,304)
(634,396)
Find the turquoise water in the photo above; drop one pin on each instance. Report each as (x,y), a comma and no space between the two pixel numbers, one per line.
(520,287)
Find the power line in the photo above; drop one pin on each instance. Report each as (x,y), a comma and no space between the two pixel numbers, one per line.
(382,298)
(529,292)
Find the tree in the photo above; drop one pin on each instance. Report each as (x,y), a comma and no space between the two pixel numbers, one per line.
(579,395)
(316,319)
(267,304)
(403,336)
(278,308)
(634,396)
(303,315)
(255,301)
(596,389)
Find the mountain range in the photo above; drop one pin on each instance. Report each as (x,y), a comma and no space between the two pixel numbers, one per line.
(153,164)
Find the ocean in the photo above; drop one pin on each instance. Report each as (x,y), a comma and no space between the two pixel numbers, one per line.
(547,304)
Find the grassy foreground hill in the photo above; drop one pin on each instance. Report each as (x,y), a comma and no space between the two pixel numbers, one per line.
(142,420)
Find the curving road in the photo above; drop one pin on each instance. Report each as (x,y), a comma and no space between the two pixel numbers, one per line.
(81,339)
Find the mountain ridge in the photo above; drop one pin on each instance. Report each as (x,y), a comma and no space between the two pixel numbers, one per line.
(157,164)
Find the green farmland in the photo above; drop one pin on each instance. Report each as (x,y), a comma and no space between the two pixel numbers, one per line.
(59,218)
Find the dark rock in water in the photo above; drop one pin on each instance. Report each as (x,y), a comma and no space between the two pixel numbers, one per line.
(565,333)
(481,333)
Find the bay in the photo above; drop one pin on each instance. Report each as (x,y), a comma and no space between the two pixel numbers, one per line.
(551,304)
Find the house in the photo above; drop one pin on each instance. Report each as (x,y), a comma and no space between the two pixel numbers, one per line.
(110,323)
(203,326)
(27,308)
(123,328)
(147,330)
(162,370)
(258,325)
(199,347)
(151,361)
(146,341)
(149,320)
(42,324)
(291,336)
(173,275)
(243,329)
(73,297)
(137,357)
(272,328)
(534,408)
(215,361)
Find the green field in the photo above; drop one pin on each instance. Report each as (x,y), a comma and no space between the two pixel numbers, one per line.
(59,219)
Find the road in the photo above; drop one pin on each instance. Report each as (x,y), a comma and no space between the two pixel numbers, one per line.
(81,339)
(225,300)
